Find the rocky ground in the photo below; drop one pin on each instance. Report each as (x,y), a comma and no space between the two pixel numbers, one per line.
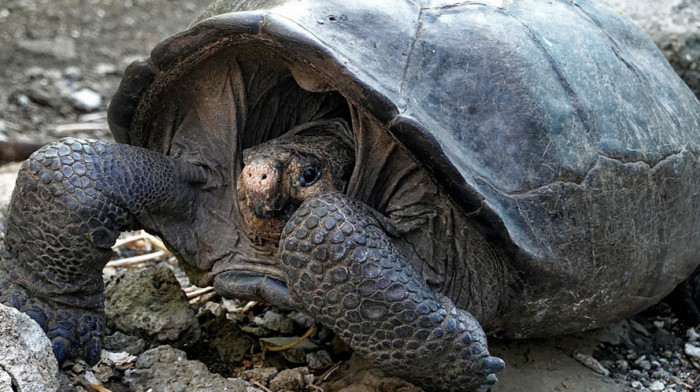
(62,60)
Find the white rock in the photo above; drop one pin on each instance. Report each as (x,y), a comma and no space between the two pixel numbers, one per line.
(85,100)
(692,351)
(657,386)
(25,353)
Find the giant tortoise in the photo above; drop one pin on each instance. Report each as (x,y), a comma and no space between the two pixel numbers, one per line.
(414,174)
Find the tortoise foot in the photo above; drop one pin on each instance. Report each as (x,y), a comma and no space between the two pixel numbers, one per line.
(73,331)
(72,199)
(345,270)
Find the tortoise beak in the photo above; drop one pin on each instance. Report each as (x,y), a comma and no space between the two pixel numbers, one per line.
(254,286)
(259,187)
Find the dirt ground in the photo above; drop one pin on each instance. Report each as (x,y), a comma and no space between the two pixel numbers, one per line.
(50,49)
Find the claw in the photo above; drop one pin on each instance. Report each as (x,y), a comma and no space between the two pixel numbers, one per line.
(490,381)
(38,316)
(93,348)
(490,365)
(61,348)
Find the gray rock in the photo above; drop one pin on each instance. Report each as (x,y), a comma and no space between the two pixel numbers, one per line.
(119,341)
(150,303)
(5,381)
(591,363)
(225,338)
(674,25)
(165,369)
(301,319)
(275,322)
(73,73)
(26,358)
(318,359)
(85,100)
(657,386)
(288,380)
(260,375)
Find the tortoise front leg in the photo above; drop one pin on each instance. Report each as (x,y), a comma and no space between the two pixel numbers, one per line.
(346,272)
(72,199)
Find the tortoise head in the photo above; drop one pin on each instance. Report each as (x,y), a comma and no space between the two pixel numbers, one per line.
(280,174)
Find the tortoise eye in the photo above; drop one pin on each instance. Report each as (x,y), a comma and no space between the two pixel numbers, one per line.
(309,176)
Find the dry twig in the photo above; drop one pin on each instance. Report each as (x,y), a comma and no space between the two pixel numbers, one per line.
(130,261)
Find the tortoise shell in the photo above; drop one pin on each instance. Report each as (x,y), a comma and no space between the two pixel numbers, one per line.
(556,126)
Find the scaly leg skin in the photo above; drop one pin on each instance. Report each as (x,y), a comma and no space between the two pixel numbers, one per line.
(71,201)
(346,272)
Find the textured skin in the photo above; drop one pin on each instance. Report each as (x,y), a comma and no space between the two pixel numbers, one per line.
(345,271)
(72,200)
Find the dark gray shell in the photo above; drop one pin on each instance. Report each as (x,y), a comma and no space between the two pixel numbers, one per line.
(558,123)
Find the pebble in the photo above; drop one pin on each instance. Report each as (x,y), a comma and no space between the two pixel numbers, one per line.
(106,69)
(289,379)
(622,365)
(85,100)
(275,322)
(692,335)
(657,386)
(318,359)
(692,351)
(646,365)
(301,319)
(260,375)
(72,73)
(591,363)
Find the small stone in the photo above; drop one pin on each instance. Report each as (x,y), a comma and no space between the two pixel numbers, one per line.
(301,319)
(692,351)
(24,101)
(260,375)
(692,335)
(275,322)
(657,386)
(105,69)
(85,100)
(72,73)
(591,363)
(646,365)
(215,308)
(318,359)
(288,379)
(232,305)
(119,341)
(639,328)
(637,385)
(622,365)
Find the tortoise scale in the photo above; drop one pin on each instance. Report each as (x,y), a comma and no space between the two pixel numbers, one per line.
(415,175)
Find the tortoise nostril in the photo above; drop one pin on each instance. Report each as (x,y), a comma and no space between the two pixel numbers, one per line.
(264,177)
